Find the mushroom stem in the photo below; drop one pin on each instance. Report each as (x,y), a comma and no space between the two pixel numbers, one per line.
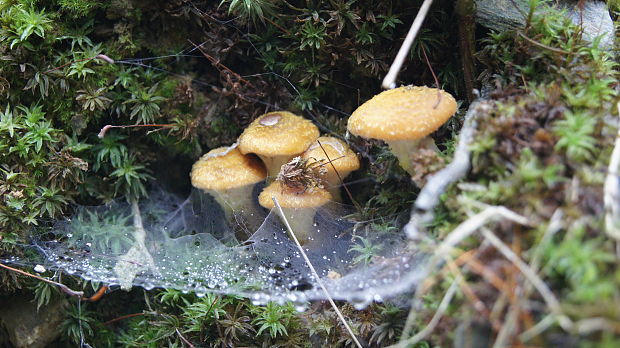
(237,200)
(301,221)
(403,149)
(333,184)
(273,165)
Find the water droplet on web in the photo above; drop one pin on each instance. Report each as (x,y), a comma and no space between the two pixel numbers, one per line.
(190,248)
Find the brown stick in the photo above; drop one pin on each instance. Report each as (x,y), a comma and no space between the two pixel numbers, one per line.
(430,67)
(123,317)
(98,295)
(63,287)
(217,64)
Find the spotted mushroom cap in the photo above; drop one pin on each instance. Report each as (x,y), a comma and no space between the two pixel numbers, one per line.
(279,133)
(342,157)
(291,199)
(225,168)
(403,113)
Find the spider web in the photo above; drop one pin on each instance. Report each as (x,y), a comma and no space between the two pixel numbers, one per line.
(188,244)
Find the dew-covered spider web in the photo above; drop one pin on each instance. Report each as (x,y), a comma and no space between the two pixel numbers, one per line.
(189,245)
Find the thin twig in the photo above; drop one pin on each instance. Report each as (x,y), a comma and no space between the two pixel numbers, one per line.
(390,78)
(507,329)
(105,128)
(314,273)
(123,317)
(537,329)
(219,65)
(526,270)
(478,305)
(430,67)
(359,208)
(611,197)
(556,50)
(63,287)
(98,295)
(422,334)
(183,338)
(99,56)
(462,231)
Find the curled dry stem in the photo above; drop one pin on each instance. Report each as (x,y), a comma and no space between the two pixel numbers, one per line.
(422,211)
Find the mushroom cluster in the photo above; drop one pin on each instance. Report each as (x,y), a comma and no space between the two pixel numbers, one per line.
(303,171)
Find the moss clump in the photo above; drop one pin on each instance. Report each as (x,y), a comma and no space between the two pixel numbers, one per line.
(542,150)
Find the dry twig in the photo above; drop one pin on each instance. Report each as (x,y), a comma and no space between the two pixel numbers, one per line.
(428,329)
(315,274)
(390,78)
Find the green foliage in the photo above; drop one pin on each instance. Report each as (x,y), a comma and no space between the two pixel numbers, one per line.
(23,22)
(131,179)
(250,9)
(43,293)
(78,8)
(583,262)
(274,319)
(575,135)
(79,323)
(312,35)
(203,312)
(365,250)
(143,103)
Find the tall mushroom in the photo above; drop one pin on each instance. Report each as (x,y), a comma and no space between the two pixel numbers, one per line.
(334,155)
(403,117)
(299,207)
(276,137)
(229,177)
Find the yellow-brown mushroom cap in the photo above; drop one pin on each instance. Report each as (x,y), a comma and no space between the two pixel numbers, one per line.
(279,133)
(290,199)
(402,113)
(220,170)
(337,151)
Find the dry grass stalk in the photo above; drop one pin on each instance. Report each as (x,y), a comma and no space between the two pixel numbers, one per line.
(390,77)
(315,274)
(611,196)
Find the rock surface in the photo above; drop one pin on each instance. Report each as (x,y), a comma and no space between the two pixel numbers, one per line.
(502,15)
(25,326)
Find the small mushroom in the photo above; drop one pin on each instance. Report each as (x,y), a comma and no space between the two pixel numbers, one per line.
(276,137)
(403,117)
(299,207)
(333,155)
(229,177)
